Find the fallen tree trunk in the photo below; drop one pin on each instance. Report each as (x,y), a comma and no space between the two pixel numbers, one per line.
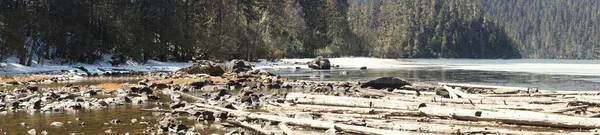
(300,98)
(531,95)
(514,117)
(482,86)
(337,109)
(306,122)
(286,130)
(567,109)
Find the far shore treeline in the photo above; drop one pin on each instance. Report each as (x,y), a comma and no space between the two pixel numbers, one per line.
(85,31)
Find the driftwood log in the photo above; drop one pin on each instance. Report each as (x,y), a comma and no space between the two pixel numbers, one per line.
(514,117)
(306,122)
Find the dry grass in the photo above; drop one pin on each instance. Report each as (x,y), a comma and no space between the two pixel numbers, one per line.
(4,79)
(111,86)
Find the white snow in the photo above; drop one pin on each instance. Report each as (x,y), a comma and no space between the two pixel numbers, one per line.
(11,67)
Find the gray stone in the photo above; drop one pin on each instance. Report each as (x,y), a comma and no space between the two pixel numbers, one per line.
(56,124)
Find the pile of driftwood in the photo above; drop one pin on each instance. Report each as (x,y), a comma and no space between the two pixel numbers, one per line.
(345,107)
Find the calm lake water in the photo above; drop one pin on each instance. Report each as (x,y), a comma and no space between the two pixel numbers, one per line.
(541,74)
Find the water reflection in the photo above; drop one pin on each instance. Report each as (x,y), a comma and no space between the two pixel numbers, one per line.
(437,74)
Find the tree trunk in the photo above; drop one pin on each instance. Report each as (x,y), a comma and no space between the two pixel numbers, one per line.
(514,117)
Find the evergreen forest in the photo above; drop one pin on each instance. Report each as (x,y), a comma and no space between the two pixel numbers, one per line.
(85,31)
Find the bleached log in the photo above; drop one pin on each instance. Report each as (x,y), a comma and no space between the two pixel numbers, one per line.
(365,116)
(593,115)
(451,92)
(300,98)
(531,95)
(561,110)
(286,130)
(307,122)
(482,86)
(455,93)
(413,92)
(514,117)
(255,128)
(337,109)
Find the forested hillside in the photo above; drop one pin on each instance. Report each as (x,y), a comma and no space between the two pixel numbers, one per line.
(550,28)
(182,30)
(429,29)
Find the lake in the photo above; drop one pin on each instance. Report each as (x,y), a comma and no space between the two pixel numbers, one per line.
(546,74)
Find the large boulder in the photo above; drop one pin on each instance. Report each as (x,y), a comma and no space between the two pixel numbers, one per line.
(239,66)
(204,67)
(386,82)
(319,63)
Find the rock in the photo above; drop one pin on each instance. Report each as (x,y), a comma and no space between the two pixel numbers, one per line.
(386,82)
(93,92)
(363,68)
(23,124)
(153,97)
(204,67)
(134,120)
(33,88)
(141,89)
(319,63)
(84,70)
(441,91)
(35,103)
(169,123)
(239,66)
(31,132)
(176,104)
(114,121)
(44,132)
(200,83)
(159,86)
(108,131)
(102,103)
(56,124)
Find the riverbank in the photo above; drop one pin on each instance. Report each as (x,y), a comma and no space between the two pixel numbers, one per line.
(268,104)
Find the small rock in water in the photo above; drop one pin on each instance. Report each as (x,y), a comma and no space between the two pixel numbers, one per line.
(23,124)
(386,82)
(343,72)
(81,124)
(115,121)
(31,132)
(142,117)
(127,133)
(44,132)
(134,120)
(77,119)
(56,124)
(363,68)
(108,131)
